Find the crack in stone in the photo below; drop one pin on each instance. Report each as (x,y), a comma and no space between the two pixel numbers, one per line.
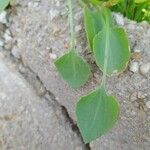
(74,127)
(49,95)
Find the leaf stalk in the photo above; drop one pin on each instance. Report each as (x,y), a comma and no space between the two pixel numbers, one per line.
(106,50)
(71,23)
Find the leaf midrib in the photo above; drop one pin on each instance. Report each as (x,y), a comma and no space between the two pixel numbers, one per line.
(105,69)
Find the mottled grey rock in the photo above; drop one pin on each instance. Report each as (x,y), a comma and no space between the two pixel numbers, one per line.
(43,33)
(29,122)
(39,40)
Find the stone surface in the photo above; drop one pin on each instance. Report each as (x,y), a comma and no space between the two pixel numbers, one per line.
(49,34)
(28,121)
(38,35)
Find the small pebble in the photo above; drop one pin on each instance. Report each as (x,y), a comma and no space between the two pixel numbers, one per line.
(131,26)
(136,50)
(41,91)
(78,28)
(3,17)
(53,14)
(145,68)
(119,19)
(15,52)
(1,43)
(148,104)
(52,56)
(96,75)
(134,66)
(7,36)
(30,4)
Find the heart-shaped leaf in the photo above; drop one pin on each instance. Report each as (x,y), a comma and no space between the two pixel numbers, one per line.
(94,21)
(3,4)
(73,69)
(111,45)
(96,114)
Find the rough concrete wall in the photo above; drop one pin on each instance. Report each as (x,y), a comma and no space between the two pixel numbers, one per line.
(28,121)
(40,34)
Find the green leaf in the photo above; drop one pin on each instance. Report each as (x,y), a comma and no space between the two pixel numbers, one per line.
(73,69)
(141,1)
(102,2)
(93,24)
(94,21)
(3,4)
(111,45)
(93,2)
(96,114)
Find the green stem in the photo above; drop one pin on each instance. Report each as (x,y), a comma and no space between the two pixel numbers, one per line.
(71,22)
(106,50)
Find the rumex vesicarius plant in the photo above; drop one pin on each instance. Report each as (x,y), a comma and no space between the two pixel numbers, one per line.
(96,112)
